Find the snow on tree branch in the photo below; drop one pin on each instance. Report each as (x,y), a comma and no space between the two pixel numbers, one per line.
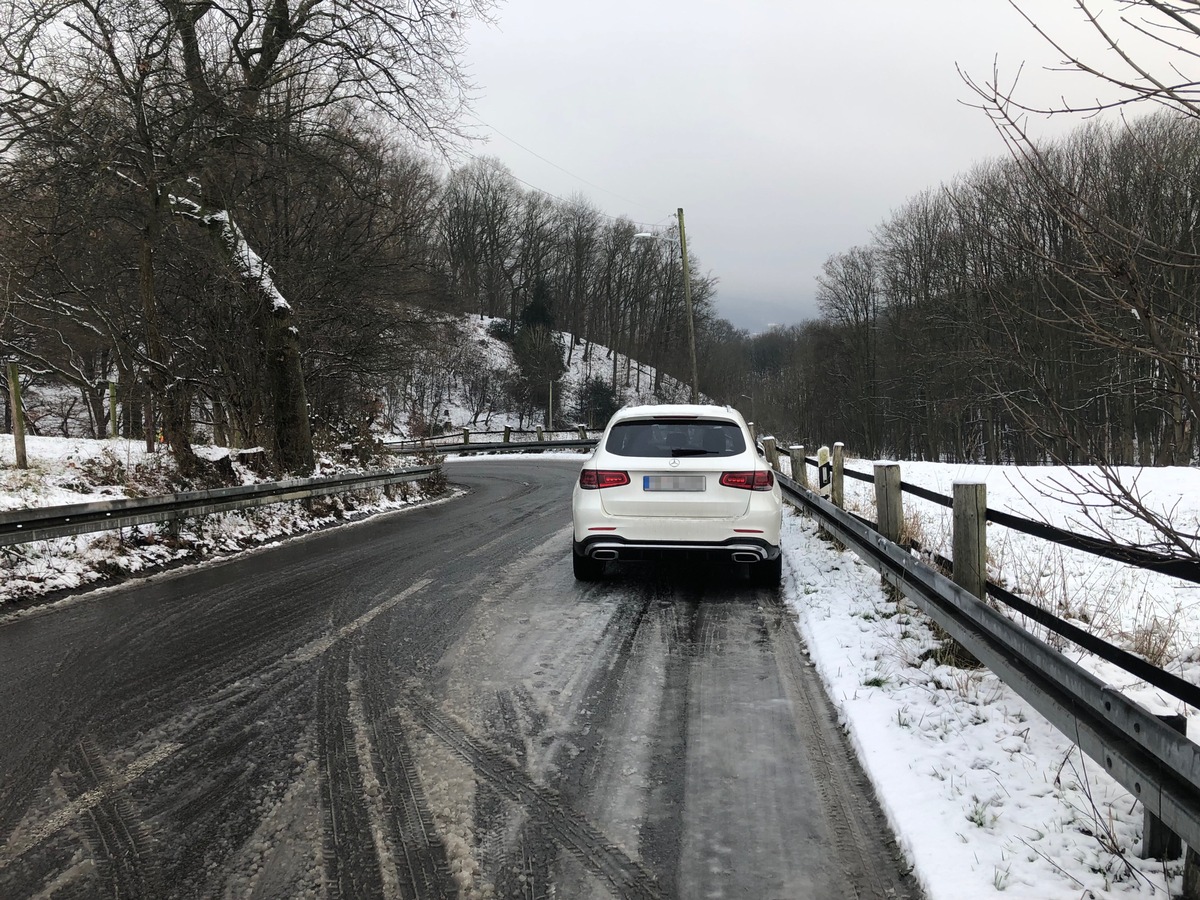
(251,266)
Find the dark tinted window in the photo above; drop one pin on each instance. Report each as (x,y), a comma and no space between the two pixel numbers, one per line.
(675,437)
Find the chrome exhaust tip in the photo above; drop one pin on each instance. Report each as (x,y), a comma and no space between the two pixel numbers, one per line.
(744,557)
(604,554)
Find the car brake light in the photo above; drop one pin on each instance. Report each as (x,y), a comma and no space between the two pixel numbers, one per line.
(762,480)
(595,479)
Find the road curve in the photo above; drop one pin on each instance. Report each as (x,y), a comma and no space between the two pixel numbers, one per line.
(427,705)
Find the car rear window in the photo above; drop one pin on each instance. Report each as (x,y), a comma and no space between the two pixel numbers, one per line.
(675,437)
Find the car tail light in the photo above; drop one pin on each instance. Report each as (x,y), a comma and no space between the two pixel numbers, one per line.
(595,479)
(759,480)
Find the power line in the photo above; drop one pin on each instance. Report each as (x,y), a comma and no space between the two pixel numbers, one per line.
(534,187)
(552,162)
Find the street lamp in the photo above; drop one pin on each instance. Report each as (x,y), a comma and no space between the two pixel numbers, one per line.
(687,299)
(753,413)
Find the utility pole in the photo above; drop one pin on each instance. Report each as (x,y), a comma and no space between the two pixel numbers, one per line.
(687,299)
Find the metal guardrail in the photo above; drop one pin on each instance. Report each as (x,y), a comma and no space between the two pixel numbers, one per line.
(508,446)
(20,526)
(1157,765)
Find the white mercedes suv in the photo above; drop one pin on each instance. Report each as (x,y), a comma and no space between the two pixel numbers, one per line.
(677,481)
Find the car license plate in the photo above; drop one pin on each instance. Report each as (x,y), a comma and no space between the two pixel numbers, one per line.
(672,482)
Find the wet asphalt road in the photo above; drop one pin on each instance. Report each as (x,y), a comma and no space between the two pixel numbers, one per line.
(427,705)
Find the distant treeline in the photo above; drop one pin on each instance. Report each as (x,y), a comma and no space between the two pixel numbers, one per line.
(1041,308)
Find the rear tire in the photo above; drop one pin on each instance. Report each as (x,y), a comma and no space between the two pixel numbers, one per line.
(586,568)
(768,574)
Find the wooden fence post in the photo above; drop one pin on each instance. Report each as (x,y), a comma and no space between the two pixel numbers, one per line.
(889,504)
(771,454)
(582,432)
(540,433)
(836,494)
(799,466)
(753,432)
(507,433)
(112,410)
(18,416)
(148,429)
(466,435)
(1191,875)
(970,537)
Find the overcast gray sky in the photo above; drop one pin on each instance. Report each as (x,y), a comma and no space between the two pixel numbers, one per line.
(786,129)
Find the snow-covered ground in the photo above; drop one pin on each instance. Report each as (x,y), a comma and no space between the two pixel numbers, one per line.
(984,795)
(1148,613)
(79,470)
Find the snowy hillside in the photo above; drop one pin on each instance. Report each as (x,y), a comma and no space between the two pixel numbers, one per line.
(459,400)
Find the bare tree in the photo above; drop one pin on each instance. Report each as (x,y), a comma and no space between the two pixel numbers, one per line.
(173,101)
(848,292)
(1121,269)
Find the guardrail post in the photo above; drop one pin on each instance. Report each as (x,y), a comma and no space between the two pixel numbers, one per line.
(507,433)
(836,494)
(18,416)
(889,504)
(970,537)
(771,453)
(1159,841)
(799,466)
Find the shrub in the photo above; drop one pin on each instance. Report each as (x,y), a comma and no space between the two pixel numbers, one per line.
(502,330)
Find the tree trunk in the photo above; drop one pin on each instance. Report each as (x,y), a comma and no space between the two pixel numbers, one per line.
(172,396)
(293,434)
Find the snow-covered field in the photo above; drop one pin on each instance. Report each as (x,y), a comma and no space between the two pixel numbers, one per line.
(1148,613)
(984,794)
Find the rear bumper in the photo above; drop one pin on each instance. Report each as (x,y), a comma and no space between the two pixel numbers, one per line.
(739,549)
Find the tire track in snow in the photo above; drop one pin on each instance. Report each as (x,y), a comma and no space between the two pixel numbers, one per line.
(119,840)
(84,803)
(192,731)
(409,835)
(624,876)
(870,861)
(352,870)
